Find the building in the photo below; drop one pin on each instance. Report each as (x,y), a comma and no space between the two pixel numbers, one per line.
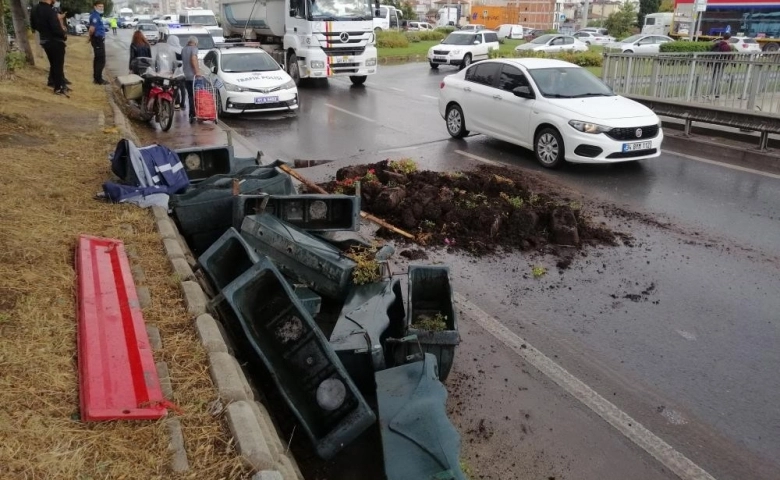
(536,14)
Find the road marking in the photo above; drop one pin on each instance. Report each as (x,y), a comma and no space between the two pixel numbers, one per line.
(431,97)
(397,89)
(350,113)
(727,165)
(477,158)
(633,430)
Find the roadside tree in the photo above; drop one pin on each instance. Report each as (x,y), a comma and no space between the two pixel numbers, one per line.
(620,23)
(21,29)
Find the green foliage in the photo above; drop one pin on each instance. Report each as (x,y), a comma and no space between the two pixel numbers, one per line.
(687,47)
(551,30)
(413,37)
(436,323)
(620,22)
(406,8)
(73,7)
(430,35)
(666,6)
(515,202)
(405,166)
(538,271)
(15,61)
(445,30)
(645,7)
(389,39)
(494,53)
(367,270)
(583,59)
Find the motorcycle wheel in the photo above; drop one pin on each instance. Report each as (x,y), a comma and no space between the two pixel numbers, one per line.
(146,115)
(165,114)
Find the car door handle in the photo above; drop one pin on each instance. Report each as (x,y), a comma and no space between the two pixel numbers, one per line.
(498,97)
(466,89)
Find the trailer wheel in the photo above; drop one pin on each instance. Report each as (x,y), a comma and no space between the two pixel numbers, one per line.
(358,79)
(771,47)
(293,69)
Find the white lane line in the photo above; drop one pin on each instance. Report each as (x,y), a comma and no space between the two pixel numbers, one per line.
(397,89)
(477,157)
(633,430)
(350,113)
(430,96)
(726,165)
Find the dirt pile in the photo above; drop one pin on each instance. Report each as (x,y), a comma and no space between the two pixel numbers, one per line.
(479,210)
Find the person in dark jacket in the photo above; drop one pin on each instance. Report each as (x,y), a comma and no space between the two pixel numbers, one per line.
(139,47)
(47,23)
(724,47)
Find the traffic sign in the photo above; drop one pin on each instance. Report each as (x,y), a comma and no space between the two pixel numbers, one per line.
(700,5)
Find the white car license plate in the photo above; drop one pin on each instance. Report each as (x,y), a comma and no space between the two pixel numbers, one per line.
(632,147)
(259,100)
(440,58)
(345,59)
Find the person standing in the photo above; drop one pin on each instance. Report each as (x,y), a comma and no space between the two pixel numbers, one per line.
(112,22)
(139,48)
(189,58)
(723,46)
(97,38)
(49,26)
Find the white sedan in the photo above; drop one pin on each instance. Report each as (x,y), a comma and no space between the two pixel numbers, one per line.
(552,43)
(248,79)
(745,44)
(593,38)
(639,44)
(559,110)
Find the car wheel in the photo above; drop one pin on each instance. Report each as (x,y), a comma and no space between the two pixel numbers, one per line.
(466,61)
(628,51)
(220,109)
(456,123)
(434,66)
(293,69)
(549,149)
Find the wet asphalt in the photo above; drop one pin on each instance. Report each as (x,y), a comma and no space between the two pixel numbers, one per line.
(680,330)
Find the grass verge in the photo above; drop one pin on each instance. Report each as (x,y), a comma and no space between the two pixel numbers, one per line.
(54,158)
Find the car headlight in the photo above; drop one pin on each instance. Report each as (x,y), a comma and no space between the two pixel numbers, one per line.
(289,85)
(233,88)
(371,62)
(587,127)
(317,64)
(455,52)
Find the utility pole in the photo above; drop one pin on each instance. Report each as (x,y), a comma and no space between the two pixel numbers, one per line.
(585,10)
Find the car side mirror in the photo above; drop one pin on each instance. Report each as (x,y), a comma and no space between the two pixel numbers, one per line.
(214,69)
(476,42)
(523,92)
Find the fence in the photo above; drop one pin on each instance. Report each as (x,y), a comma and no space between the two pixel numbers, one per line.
(738,81)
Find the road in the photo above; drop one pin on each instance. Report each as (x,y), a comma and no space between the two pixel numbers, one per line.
(695,360)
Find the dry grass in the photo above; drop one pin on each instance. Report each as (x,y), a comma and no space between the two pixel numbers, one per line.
(53,158)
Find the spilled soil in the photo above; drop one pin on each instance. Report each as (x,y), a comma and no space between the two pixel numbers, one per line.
(478,211)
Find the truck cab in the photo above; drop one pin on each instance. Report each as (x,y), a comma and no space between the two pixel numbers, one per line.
(205,18)
(658,23)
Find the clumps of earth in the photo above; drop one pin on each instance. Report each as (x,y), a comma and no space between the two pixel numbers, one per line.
(479,210)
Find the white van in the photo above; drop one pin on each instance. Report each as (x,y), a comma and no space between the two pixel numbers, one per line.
(388,18)
(205,18)
(510,31)
(184,32)
(658,23)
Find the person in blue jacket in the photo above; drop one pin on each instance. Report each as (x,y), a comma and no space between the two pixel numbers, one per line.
(97,38)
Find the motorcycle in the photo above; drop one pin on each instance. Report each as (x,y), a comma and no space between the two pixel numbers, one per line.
(159,93)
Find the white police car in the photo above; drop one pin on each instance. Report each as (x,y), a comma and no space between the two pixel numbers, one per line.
(247,79)
(184,32)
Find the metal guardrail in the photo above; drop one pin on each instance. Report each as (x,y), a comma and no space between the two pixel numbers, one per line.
(749,82)
(736,90)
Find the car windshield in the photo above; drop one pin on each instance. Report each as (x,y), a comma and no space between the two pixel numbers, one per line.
(147,27)
(459,39)
(340,10)
(569,82)
(542,40)
(205,41)
(248,62)
(631,39)
(207,20)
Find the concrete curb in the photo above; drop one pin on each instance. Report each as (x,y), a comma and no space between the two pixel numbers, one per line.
(179,462)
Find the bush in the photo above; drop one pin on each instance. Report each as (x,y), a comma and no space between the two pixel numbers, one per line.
(688,47)
(445,30)
(15,60)
(391,40)
(431,35)
(583,59)
(413,37)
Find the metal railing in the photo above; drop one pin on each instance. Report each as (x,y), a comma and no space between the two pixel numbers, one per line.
(736,81)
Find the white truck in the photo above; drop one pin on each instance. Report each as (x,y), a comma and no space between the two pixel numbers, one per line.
(658,23)
(448,16)
(126,13)
(387,17)
(205,18)
(310,38)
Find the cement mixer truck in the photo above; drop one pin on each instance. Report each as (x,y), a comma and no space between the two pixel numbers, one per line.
(310,38)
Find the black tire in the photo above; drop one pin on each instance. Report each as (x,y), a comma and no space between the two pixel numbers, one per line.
(466,61)
(434,66)
(220,111)
(293,69)
(455,121)
(165,114)
(146,115)
(549,149)
(629,51)
(377,30)
(771,47)
(358,79)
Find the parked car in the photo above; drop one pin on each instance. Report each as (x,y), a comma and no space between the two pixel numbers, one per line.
(462,48)
(596,30)
(592,38)
(553,43)
(511,31)
(531,34)
(150,31)
(419,26)
(745,44)
(559,110)
(646,44)
(248,79)
(472,27)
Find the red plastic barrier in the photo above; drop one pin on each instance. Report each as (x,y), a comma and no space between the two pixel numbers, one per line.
(118,377)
